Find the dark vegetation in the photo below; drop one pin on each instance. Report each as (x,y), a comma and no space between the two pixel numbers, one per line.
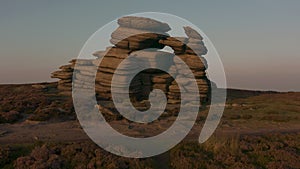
(250,111)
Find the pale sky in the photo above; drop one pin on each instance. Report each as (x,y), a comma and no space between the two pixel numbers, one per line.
(258,41)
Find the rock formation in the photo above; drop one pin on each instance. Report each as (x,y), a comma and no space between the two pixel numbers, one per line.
(134,37)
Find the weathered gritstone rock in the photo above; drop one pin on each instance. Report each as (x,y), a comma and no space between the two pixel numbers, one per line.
(65,76)
(62,75)
(113,52)
(133,39)
(143,23)
(192,33)
(134,35)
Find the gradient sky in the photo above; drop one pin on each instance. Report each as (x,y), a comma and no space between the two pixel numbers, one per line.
(258,40)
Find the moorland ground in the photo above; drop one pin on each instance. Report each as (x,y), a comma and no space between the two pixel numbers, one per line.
(38,129)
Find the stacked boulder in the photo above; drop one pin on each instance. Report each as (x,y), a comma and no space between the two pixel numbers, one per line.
(190,50)
(66,72)
(133,35)
(140,39)
(136,33)
(65,75)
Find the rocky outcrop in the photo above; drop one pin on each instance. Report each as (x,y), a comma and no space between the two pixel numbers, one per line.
(133,36)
